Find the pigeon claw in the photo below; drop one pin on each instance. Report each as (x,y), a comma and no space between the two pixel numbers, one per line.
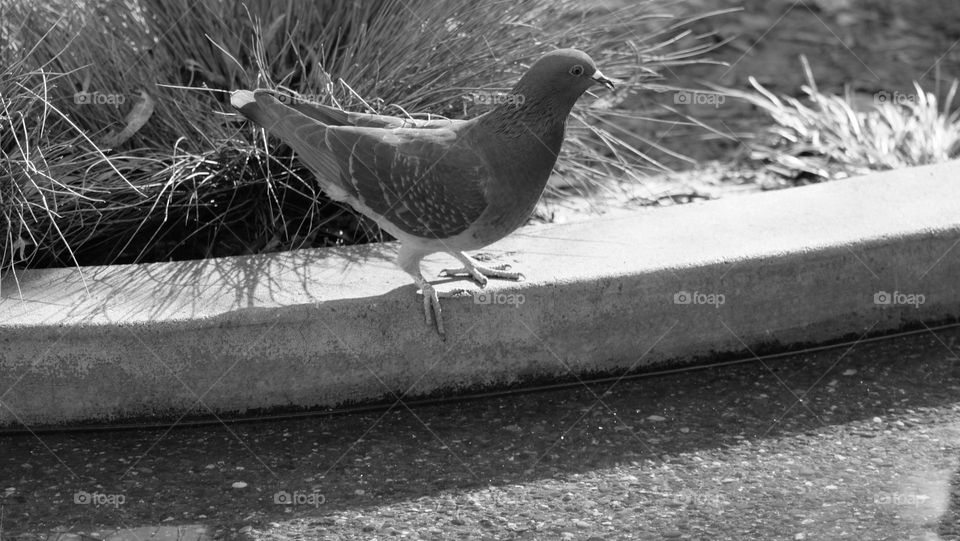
(480,273)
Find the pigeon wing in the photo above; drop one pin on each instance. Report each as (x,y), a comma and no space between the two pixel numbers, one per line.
(426,182)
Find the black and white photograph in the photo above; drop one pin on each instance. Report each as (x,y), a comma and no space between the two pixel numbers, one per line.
(574,270)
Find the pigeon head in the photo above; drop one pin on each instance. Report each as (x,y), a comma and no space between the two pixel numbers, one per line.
(564,74)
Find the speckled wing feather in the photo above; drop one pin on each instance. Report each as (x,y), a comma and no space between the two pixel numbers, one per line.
(426,182)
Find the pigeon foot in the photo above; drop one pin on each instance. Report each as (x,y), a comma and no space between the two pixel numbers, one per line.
(480,273)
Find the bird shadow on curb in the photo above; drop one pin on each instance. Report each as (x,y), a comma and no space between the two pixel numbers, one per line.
(183,289)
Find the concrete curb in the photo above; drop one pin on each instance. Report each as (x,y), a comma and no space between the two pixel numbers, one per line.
(335,326)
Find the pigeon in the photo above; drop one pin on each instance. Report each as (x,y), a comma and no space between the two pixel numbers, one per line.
(438,185)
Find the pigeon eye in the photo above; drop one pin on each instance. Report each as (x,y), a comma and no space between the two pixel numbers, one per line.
(576,70)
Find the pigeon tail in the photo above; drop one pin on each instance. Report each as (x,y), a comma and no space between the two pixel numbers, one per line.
(305,134)
(245,102)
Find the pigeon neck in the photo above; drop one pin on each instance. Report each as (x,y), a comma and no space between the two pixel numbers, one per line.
(523,114)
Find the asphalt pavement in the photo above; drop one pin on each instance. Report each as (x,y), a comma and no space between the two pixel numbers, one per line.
(856,442)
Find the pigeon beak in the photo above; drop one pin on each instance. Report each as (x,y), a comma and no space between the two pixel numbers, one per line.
(600,78)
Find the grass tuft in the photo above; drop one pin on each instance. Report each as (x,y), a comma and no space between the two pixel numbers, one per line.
(837,136)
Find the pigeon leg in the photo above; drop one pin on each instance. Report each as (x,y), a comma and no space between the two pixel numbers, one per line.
(478,272)
(432,312)
(409,261)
